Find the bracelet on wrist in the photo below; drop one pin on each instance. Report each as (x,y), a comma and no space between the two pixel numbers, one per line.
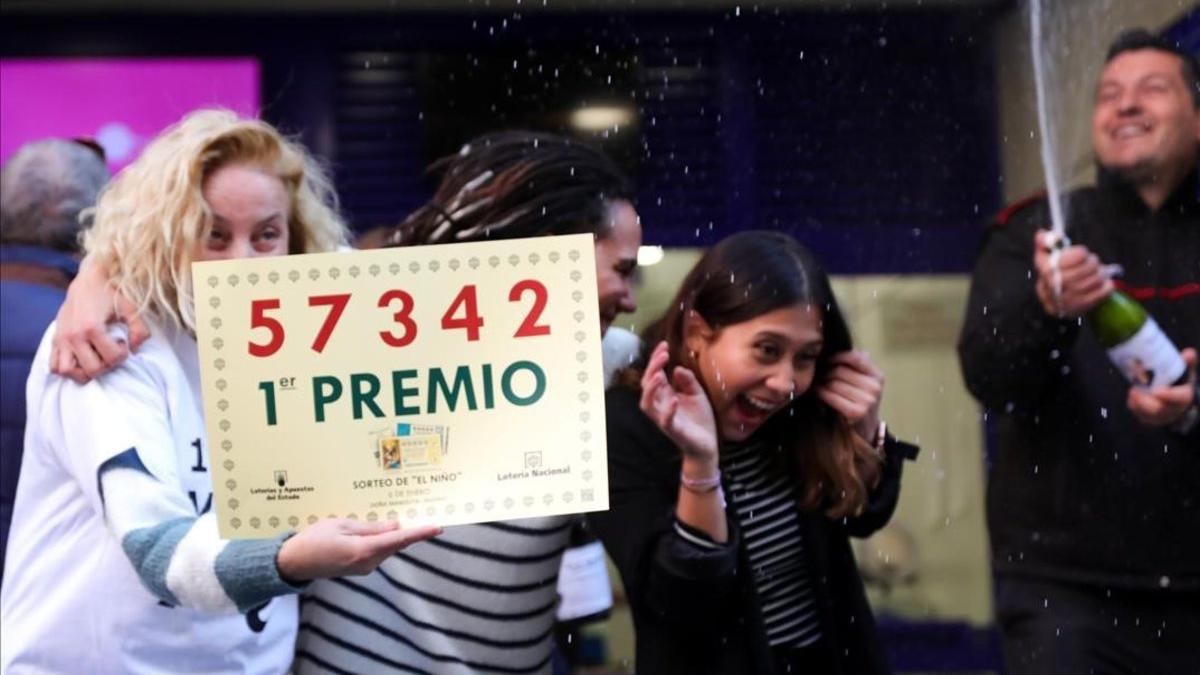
(700,485)
(880,439)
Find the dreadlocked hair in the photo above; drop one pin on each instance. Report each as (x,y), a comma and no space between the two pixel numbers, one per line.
(512,184)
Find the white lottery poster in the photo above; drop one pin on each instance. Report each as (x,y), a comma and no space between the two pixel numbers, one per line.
(432,384)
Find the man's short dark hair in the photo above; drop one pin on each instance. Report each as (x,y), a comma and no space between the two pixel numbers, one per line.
(1139,39)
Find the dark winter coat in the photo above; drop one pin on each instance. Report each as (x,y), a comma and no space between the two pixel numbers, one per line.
(696,611)
(1079,490)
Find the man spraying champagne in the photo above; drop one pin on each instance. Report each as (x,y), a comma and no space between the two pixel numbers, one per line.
(1093,507)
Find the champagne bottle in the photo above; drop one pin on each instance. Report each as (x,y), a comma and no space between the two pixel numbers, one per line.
(1135,343)
(585,593)
(585,596)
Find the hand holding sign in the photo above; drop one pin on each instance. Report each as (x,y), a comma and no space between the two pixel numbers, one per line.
(411,384)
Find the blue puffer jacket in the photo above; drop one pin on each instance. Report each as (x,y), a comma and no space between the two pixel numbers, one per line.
(32,280)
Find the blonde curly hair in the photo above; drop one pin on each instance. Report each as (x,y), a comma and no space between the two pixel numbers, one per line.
(149,219)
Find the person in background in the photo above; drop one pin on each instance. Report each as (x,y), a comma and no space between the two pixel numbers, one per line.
(115,564)
(44,187)
(480,597)
(1093,509)
(740,465)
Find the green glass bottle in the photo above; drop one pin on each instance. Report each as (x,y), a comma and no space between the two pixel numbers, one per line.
(1135,343)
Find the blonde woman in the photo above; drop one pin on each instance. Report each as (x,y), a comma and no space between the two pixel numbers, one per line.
(481,598)
(115,564)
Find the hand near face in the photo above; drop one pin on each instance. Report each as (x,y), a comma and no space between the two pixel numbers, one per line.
(1164,406)
(854,388)
(82,347)
(1082,278)
(679,406)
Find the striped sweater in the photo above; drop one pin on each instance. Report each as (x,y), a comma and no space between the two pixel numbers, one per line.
(478,599)
(763,502)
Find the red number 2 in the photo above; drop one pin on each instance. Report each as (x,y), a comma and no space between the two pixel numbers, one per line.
(472,321)
(259,319)
(337,305)
(402,317)
(529,327)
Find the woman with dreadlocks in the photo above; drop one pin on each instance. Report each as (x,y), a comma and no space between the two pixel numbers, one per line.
(510,184)
(483,598)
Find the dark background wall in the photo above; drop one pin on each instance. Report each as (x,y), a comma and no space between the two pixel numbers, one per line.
(869,135)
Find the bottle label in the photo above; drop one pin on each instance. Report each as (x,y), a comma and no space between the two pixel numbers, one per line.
(1148,359)
(583,582)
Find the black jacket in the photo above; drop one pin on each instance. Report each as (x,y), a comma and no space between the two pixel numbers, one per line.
(1079,490)
(696,611)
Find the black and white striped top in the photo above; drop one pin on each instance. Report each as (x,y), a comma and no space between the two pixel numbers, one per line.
(763,496)
(477,599)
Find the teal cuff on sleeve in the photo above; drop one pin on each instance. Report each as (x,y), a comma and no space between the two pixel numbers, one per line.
(249,574)
(150,550)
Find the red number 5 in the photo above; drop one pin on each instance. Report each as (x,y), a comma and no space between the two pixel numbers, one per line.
(259,319)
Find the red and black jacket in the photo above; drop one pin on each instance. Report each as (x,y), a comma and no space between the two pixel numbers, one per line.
(1079,490)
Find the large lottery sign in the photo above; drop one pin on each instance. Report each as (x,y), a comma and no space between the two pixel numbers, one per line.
(432,384)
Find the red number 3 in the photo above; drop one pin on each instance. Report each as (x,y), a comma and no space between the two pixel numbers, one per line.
(402,317)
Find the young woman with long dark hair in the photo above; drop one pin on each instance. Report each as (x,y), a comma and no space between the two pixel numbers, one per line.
(739,465)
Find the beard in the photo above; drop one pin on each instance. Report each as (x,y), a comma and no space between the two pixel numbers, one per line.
(1142,172)
(1150,170)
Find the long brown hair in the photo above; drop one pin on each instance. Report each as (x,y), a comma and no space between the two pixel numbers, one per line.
(750,274)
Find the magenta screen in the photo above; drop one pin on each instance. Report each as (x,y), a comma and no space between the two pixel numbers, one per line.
(121,103)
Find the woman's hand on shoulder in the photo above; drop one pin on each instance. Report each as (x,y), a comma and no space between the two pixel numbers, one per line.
(679,406)
(82,348)
(854,388)
(337,547)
